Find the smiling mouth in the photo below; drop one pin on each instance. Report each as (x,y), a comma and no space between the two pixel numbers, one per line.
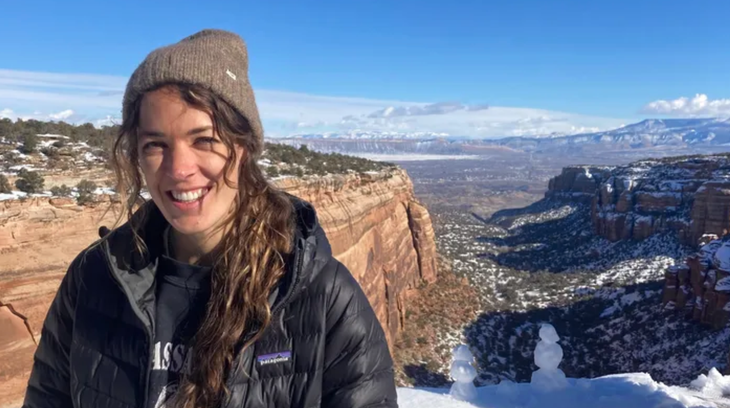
(188,196)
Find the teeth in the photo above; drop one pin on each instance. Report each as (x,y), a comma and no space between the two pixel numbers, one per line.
(187,196)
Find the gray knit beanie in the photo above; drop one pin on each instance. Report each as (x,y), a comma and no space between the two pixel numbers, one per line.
(214,59)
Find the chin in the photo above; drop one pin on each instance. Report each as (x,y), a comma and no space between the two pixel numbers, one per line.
(190,227)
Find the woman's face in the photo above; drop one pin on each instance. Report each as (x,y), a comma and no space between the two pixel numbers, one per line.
(182,161)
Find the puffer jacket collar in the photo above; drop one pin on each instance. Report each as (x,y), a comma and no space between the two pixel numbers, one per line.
(135,272)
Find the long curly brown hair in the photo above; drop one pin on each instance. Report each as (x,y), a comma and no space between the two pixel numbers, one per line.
(251,256)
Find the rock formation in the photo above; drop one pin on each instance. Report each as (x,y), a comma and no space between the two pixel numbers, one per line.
(700,287)
(375,225)
(379,231)
(577,183)
(687,195)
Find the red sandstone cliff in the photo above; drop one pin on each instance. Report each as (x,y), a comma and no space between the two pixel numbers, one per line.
(375,225)
(689,196)
(379,231)
(700,287)
(577,183)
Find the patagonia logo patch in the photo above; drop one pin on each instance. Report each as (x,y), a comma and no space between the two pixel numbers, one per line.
(274,358)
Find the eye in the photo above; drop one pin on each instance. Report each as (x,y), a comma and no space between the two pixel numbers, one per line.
(152,146)
(207,142)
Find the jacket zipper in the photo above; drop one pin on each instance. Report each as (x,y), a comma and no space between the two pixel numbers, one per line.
(284,301)
(148,328)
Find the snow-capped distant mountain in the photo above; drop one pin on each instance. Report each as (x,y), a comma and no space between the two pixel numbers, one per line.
(374,146)
(647,133)
(677,133)
(369,135)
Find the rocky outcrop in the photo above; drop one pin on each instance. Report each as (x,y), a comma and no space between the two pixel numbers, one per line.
(577,183)
(700,287)
(17,344)
(687,195)
(375,225)
(15,326)
(379,231)
(38,239)
(711,209)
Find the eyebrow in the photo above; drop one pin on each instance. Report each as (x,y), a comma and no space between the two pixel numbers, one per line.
(199,130)
(194,131)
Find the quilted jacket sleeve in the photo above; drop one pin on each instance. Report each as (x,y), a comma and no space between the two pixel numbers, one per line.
(49,385)
(358,365)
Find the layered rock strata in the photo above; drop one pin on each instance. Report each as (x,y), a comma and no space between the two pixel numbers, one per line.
(687,195)
(577,183)
(379,231)
(375,225)
(700,287)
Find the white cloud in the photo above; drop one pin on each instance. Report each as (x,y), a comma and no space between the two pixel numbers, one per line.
(97,99)
(108,121)
(493,122)
(439,108)
(61,115)
(33,79)
(89,96)
(699,105)
(12,115)
(304,125)
(8,113)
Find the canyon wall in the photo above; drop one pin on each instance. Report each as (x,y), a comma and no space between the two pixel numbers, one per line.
(689,196)
(379,231)
(38,239)
(699,288)
(374,223)
(577,183)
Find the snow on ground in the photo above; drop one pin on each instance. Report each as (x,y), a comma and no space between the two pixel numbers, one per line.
(22,166)
(12,196)
(50,135)
(552,214)
(633,390)
(16,195)
(47,143)
(104,190)
(604,297)
(89,157)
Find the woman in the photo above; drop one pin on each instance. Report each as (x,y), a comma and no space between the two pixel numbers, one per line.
(219,292)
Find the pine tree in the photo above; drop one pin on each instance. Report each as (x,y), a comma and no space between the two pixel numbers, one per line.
(30,142)
(29,182)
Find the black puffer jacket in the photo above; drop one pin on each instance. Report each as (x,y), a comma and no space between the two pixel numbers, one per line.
(95,344)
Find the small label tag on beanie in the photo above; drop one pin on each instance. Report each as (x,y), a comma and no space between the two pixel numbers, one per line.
(231,74)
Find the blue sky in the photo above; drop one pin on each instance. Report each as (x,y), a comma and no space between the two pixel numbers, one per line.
(541,66)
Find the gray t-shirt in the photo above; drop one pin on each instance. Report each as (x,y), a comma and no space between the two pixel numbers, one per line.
(182,294)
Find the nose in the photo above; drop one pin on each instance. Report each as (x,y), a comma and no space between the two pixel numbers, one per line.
(181,163)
